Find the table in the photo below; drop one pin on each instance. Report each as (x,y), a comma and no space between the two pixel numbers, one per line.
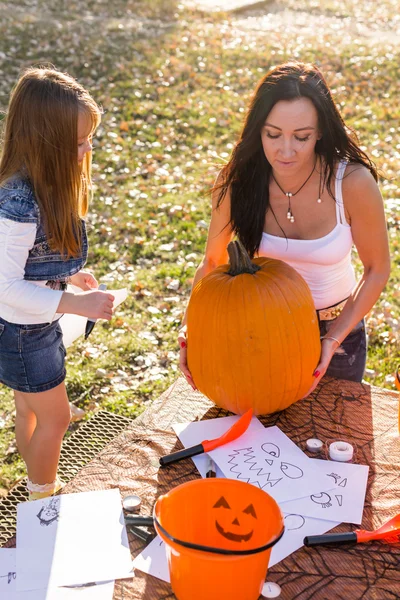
(337,409)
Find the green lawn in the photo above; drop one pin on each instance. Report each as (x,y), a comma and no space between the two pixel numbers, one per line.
(174,86)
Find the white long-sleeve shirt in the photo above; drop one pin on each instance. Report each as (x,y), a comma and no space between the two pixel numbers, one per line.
(21,301)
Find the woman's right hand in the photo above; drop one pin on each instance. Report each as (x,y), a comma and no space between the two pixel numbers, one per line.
(182,340)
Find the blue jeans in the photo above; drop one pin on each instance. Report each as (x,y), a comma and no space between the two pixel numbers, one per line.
(349,360)
(32,357)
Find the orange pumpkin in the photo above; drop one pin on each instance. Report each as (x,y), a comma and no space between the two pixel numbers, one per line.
(253,335)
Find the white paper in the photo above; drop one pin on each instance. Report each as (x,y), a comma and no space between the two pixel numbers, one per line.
(297,527)
(71,539)
(270,460)
(73,326)
(344,502)
(8,585)
(153,560)
(195,432)
(7,573)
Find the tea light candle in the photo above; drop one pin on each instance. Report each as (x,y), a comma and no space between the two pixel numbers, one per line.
(341,451)
(271,590)
(131,503)
(314,445)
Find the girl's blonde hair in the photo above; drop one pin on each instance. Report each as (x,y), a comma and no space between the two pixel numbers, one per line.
(41,142)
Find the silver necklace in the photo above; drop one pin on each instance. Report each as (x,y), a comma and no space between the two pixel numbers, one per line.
(290,195)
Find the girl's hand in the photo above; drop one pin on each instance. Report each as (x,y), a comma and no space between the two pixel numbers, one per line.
(94,305)
(328,348)
(84,280)
(183,356)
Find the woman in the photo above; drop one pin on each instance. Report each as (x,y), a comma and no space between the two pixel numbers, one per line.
(298,188)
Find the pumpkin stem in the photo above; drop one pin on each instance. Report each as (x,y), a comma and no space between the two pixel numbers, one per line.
(239,260)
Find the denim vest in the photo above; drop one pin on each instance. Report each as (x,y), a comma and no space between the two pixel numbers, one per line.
(18,203)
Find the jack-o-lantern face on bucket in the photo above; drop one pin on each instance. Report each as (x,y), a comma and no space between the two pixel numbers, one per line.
(234,525)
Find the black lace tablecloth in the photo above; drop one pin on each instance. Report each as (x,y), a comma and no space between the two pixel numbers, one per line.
(368,416)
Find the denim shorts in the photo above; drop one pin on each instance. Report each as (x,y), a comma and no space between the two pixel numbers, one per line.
(350,357)
(32,357)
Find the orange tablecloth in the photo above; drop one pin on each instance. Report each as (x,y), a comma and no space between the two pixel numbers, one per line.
(337,409)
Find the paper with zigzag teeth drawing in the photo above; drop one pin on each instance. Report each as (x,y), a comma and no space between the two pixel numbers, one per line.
(344,503)
(271,461)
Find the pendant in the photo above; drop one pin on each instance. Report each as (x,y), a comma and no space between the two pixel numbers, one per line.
(289,214)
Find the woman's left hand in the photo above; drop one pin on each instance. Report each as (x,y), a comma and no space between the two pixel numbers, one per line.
(84,280)
(328,348)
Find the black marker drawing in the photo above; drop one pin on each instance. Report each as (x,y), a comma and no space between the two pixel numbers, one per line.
(291,471)
(293,522)
(343,483)
(244,462)
(339,499)
(270,482)
(239,466)
(250,464)
(10,576)
(49,513)
(323,499)
(271,449)
(335,477)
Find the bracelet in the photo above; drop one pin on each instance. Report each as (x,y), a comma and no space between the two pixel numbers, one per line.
(330,337)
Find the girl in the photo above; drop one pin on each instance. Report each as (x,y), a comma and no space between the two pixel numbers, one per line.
(44,191)
(298,188)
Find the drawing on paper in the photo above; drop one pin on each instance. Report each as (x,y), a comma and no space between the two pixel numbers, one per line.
(49,513)
(293,522)
(291,471)
(334,476)
(10,576)
(339,499)
(271,449)
(323,499)
(244,463)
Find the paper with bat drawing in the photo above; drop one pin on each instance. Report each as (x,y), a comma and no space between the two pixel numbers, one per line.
(71,539)
(343,502)
(73,326)
(271,461)
(8,585)
(196,432)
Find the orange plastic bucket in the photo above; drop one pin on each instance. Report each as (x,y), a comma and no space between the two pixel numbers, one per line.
(218,534)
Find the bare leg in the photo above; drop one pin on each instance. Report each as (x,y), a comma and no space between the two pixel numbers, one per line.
(25,423)
(52,412)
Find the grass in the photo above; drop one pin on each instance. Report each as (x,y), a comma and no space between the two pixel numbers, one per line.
(174,86)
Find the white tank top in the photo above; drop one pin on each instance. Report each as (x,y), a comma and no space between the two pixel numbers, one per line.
(325,263)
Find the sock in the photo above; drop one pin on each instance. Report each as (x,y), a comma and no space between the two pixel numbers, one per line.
(38,490)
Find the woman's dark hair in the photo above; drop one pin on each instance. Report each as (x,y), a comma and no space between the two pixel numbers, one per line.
(248,171)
